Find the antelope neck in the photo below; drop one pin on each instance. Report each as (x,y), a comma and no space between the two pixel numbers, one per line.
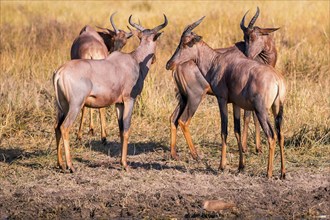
(205,57)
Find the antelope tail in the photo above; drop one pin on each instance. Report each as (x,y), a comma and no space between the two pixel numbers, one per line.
(56,77)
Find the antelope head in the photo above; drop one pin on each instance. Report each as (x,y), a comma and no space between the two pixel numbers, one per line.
(114,39)
(148,37)
(256,38)
(186,49)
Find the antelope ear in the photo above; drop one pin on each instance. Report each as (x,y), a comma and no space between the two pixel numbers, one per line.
(105,36)
(196,39)
(266,31)
(139,34)
(157,36)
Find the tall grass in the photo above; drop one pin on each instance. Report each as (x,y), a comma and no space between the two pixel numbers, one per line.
(36,37)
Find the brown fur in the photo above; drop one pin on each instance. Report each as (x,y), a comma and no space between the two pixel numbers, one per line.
(97,45)
(246,83)
(118,80)
(192,85)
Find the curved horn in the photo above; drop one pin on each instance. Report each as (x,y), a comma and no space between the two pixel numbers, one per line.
(113,25)
(140,28)
(243,21)
(158,28)
(253,20)
(128,34)
(189,28)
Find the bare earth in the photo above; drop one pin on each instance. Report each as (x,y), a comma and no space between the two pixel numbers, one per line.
(155,186)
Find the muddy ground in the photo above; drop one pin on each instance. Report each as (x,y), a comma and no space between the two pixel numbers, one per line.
(155,186)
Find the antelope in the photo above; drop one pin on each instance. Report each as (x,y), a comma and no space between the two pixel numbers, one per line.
(118,79)
(192,86)
(91,44)
(246,83)
(260,46)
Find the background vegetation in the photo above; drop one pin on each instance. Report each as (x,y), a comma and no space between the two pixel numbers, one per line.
(36,37)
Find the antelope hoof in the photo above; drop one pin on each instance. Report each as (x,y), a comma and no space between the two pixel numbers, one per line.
(282,177)
(91,131)
(175,157)
(125,168)
(244,149)
(269,175)
(104,140)
(71,169)
(79,137)
(259,150)
(61,166)
(222,167)
(241,168)
(195,156)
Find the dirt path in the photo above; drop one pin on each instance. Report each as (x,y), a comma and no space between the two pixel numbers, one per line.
(154,187)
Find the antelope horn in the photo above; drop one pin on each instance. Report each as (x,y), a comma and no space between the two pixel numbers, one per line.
(128,34)
(140,28)
(189,28)
(113,25)
(253,20)
(158,28)
(243,21)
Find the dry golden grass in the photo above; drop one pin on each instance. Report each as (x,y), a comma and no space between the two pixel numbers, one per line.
(36,37)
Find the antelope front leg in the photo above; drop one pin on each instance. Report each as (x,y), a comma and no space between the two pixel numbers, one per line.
(194,99)
(174,126)
(186,132)
(257,138)
(91,123)
(224,131)
(272,143)
(103,132)
(83,113)
(247,115)
(120,112)
(128,109)
(237,130)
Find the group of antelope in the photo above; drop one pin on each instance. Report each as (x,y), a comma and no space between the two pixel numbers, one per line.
(100,75)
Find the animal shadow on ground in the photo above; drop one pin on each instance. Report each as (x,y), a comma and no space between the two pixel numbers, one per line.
(159,158)
(113,150)
(19,156)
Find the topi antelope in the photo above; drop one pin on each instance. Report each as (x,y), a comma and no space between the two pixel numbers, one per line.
(244,82)
(260,46)
(118,79)
(192,88)
(97,45)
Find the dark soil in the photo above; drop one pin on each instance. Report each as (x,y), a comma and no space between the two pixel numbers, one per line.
(154,187)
